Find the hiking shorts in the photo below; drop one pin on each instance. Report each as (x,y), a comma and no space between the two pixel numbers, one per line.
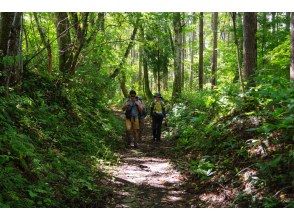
(132,124)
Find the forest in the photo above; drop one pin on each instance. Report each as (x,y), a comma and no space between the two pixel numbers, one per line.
(227,82)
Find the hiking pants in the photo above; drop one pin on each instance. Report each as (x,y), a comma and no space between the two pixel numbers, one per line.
(156,126)
(132,130)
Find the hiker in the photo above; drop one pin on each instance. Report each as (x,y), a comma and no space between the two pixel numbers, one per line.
(142,116)
(132,109)
(157,112)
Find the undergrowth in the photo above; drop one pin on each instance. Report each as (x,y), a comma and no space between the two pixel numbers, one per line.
(51,142)
(228,134)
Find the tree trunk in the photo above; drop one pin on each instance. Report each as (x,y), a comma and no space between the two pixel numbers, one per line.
(140,76)
(45,42)
(147,90)
(165,74)
(14,49)
(127,52)
(101,21)
(101,29)
(263,41)
(292,50)
(214,52)
(158,70)
(288,21)
(123,85)
(64,42)
(237,51)
(192,70)
(274,22)
(192,60)
(200,68)
(250,45)
(183,61)
(177,55)
(81,30)
(5,27)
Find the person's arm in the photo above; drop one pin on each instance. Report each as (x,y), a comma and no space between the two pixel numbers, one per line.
(163,109)
(151,109)
(125,106)
(140,107)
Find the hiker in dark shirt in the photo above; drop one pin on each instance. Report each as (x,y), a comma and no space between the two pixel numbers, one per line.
(132,109)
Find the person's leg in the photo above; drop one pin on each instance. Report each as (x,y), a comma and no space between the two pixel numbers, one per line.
(136,128)
(141,125)
(159,123)
(154,127)
(128,131)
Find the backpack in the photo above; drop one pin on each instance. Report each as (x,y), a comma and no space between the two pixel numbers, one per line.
(162,106)
(128,111)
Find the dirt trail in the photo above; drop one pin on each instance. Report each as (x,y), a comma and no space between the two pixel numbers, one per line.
(145,177)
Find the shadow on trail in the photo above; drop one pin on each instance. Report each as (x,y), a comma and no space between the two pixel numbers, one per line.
(147,176)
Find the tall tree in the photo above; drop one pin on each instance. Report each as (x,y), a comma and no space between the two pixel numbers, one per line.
(288,20)
(250,45)
(128,49)
(177,54)
(292,50)
(192,51)
(200,67)
(140,72)
(45,40)
(5,27)
(233,14)
(14,69)
(214,51)
(64,42)
(274,22)
(183,56)
(147,90)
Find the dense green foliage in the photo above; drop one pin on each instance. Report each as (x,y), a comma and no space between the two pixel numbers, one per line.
(59,125)
(52,143)
(226,133)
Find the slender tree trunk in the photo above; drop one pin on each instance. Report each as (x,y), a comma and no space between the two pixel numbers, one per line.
(200,68)
(183,60)
(274,22)
(288,21)
(45,42)
(64,42)
(165,75)
(101,29)
(5,27)
(192,70)
(264,29)
(177,55)
(250,45)
(192,60)
(140,76)
(158,70)
(81,30)
(147,90)
(237,51)
(214,52)
(292,48)
(123,85)
(14,49)
(127,52)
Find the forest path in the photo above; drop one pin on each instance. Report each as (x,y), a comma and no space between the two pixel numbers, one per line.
(146,177)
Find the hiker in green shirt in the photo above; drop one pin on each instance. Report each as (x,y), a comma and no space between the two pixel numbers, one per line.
(158,114)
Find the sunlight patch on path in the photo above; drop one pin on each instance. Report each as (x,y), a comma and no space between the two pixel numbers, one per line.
(156,172)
